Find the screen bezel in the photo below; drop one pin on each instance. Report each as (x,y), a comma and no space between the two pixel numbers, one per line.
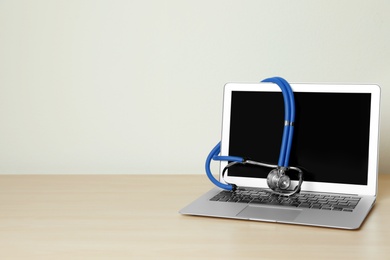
(374,90)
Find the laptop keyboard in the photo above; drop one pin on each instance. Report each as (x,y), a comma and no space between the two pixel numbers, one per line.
(300,200)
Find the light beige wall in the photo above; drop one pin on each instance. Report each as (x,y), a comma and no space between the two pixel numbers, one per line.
(136,86)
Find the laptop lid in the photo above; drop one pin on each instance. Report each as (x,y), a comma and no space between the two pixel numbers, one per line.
(335,140)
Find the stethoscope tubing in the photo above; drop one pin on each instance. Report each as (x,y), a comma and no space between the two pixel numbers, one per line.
(289,117)
(213,155)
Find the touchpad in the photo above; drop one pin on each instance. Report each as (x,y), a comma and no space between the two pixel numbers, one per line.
(271,214)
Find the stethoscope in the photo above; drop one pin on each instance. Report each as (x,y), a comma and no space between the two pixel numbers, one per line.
(277,179)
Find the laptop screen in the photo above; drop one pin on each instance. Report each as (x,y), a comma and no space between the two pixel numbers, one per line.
(335,142)
(331,134)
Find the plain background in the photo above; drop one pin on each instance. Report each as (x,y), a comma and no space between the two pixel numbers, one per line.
(121,86)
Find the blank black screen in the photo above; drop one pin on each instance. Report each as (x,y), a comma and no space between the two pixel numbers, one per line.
(331,134)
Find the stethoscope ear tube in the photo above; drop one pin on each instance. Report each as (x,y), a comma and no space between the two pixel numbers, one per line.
(213,155)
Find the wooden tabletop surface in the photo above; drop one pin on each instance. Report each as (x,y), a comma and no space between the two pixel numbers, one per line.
(136,217)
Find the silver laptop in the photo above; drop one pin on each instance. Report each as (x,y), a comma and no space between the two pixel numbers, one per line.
(335,143)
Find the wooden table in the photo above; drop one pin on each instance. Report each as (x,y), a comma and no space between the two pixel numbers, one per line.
(136,217)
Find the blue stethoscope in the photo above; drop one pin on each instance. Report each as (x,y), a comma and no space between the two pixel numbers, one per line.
(277,179)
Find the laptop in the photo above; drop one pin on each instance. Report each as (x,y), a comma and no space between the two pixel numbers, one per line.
(335,143)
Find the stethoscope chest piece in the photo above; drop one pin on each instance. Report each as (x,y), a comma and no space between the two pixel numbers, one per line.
(280,183)
(278,180)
